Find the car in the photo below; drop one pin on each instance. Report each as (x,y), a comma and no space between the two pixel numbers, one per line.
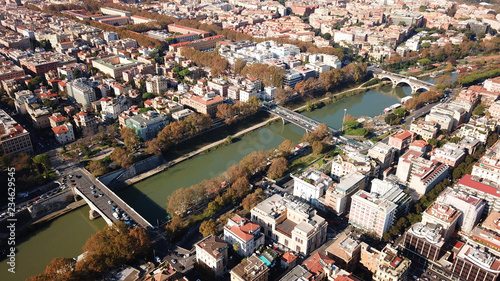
(94,192)
(110,202)
(174,261)
(73,184)
(36,199)
(92,187)
(72,180)
(182,267)
(100,194)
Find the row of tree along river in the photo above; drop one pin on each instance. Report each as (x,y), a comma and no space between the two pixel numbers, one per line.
(65,236)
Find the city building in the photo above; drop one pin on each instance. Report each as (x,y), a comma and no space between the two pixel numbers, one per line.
(401,141)
(471,207)
(147,125)
(293,225)
(157,84)
(81,91)
(115,65)
(451,154)
(427,130)
(481,188)
(64,133)
(14,139)
(205,105)
(311,185)
(372,213)
(420,174)
(424,241)
(444,215)
(338,195)
(115,12)
(250,269)
(488,167)
(40,63)
(213,252)
(383,153)
(476,263)
(245,233)
(345,251)
(352,162)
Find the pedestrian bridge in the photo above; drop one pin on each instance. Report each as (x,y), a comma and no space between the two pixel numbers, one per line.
(99,205)
(298,119)
(397,80)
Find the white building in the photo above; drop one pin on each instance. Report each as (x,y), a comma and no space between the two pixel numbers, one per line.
(293,225)
(157,85)
(213,252)
(442,214)
(451,154)
(245,233)
(471,206)
(64,133)
(110,36)
(383,153)
(372,213)
(311,185)
(488,167)
(82,91)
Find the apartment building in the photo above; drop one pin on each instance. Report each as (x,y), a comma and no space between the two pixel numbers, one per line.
(157,84)
(345,251)
(427,130)
(424,241)
(14,139)
(492,85)
(147,125)
(471,207)
(111,108)
(115,65)
(213,252)
(250,269)
(57,119)
(442,214)
(205,105)
(311,185)
(451,154)
(64,133)
(82,91)
(476,263)
(372,213)
(391,266)
(293,225)
(86,122)
(247,234)
(41,63)
(420,174)
(401,141)
(383,153)
(219,86)
(338,196)
(477,131)
(352,162)
(481,188)
(488,167)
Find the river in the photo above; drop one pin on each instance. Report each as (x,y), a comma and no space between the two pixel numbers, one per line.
(65,236)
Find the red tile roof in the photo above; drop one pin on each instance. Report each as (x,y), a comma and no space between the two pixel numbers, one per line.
(60,129)
(313,264)
(243,232)
(469,182)
(288,257)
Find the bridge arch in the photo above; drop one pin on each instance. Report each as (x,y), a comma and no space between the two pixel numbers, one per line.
(403,82)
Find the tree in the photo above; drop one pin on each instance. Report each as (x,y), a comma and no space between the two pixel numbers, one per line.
(348,117)
(60,269)
(317,147)
(253,199)
(97,168)
(130,138)
(44,160)
(390,118)
(351,124)
(235,172)
(444,80)
(239,64)
(147,96)
(226,112)
(122,158)
(241,186)
(277,168)
(254,162)
(286,147)
(208,228)
(400,112)
(479,110)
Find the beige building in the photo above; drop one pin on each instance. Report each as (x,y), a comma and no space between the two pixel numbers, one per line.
(250,269)
(14,139)
(212,251)
(115,66)
(292,225)
(494,110)
(442,214)
(427,130)
(204,105)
